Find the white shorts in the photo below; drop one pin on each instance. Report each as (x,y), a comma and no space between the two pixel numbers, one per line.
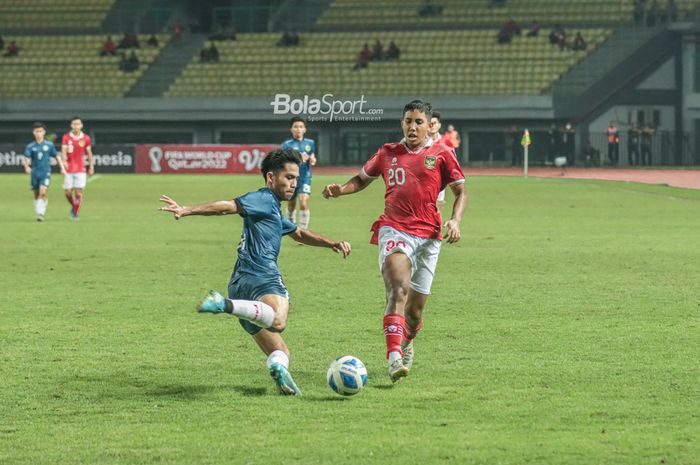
(441,196)
(74,180)
(422,252)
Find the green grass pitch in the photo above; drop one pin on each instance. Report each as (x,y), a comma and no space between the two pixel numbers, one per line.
(564,329)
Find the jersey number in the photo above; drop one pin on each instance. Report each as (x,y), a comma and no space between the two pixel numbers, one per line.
(391,244)
(397,177)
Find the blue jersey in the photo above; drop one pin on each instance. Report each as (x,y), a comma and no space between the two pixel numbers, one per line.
(307,146)
(39,155)
(263,228)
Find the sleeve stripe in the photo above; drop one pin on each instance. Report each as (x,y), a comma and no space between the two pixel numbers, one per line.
(363,174)
(459,181)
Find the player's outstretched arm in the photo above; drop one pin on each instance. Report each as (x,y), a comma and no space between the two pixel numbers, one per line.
(27,165)
(453,233)
(222,207)
(355,184)
(311,238)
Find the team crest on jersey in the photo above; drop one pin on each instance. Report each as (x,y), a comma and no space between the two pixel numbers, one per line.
(394,161)
(81,143)
(430,162)
(307,148)
(46,148)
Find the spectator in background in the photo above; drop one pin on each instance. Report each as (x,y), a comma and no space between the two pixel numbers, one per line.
(288,40)
(377,51)
(647,143)
(108,48)
(362,58)
(633,144)
(129,41)
(579,43)
(213,53)
(562,45)
(591,156)
(393,53)
(178,29)
(613,134)
(568,143)
(534,29)
(503,37)
(512,27)
(209,54)
(12,50)
(129,64)
(153,41)
(553,147)
(451,137)
(556,34)
(515,148)
(430,8)
(2,42)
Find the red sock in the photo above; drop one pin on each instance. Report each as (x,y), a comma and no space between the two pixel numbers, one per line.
(409,333)
(393,332)
(76,204)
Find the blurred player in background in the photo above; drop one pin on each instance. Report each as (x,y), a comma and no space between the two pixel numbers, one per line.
(74,146)
(257,295)
(37,164)
(307,149)
(434,131)
(408,233)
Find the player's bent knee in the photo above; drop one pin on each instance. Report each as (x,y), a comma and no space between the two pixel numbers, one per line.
(278,326)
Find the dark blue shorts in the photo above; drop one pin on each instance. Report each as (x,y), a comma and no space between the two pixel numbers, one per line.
(39,180)
(248,287)
(303,187)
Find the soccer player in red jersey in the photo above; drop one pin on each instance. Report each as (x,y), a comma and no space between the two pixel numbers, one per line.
(74,146)
(409,232)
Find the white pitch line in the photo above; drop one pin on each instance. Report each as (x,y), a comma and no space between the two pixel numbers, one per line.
(94,178)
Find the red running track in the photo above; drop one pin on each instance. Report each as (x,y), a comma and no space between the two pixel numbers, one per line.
(689,179)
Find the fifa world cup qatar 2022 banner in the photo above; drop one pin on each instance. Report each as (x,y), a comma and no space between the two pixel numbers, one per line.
(178,158)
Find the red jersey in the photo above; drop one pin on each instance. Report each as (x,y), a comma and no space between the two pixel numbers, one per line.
(413,181)
(75,151)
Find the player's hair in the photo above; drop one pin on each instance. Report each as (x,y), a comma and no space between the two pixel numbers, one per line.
(419,105)
(38,125)
(437,116)
(75,118)
(297,119)
(276,159)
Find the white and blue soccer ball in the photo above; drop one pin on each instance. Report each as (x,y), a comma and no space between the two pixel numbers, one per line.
(347,375)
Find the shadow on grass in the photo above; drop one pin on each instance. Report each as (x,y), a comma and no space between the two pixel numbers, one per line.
(180,390)
(324,399)
(383,386)
(250,391)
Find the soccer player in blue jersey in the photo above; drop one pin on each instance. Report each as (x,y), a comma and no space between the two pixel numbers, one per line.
(307,149)
(256,293)
(37,164)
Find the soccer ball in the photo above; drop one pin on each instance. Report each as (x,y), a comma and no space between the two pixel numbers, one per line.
(347,375)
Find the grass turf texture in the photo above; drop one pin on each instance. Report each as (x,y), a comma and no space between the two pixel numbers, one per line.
(563,328)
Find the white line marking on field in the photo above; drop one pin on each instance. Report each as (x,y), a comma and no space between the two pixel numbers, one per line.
(94,178)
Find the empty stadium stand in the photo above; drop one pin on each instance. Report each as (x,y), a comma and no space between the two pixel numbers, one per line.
(48,15)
